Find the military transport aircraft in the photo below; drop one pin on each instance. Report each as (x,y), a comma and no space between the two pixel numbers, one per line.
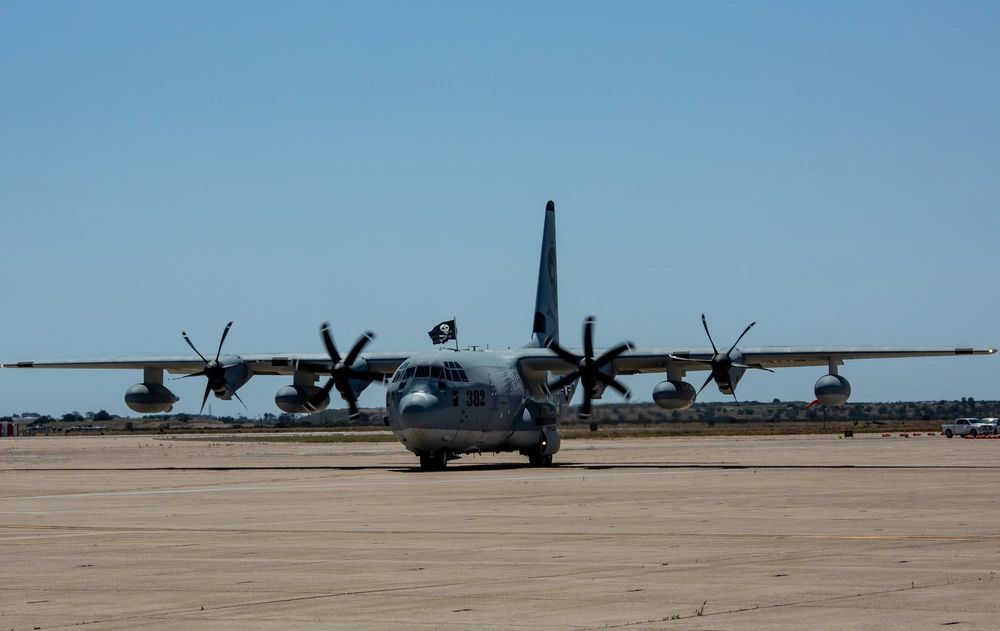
(447,402)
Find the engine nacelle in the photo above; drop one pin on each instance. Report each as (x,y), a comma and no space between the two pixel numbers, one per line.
(150,398)
(295,399)
(674,395)
(735,374)
(832,390)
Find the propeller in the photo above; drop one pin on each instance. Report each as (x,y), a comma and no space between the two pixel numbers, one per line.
(722,363)
(342,372)
(213,369)
(588,369)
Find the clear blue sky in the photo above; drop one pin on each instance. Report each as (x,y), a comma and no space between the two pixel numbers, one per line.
(827,169)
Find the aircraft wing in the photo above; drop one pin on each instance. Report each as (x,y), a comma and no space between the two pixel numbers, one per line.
(536,362)
(258,363)
(647,360)
(172,363)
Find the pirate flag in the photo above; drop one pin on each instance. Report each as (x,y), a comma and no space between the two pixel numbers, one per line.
(444,332)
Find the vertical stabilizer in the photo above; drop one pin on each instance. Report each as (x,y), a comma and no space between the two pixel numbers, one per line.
(546,322)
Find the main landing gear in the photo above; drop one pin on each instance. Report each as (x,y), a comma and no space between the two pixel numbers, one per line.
(434,461)
(538,460)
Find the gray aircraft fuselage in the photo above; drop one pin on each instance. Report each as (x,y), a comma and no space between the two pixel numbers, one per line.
(468,402)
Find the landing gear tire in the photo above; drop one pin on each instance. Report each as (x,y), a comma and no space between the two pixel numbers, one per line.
(538,460)
(436,461)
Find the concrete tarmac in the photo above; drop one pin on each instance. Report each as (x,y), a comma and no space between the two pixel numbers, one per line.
(769,533)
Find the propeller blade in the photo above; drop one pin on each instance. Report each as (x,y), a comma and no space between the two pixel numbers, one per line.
(739,338)
(704,323)
(224,334)
(564,381)
(584,413)
(358,347)
(208,388)
(707,381)
(228,387)
(733,390)
(615,352)
(188,340)
(588,337)
(314,401)
(614,383)
(194,374)
(752,366)
(563,353)
(324,330)
(352,403)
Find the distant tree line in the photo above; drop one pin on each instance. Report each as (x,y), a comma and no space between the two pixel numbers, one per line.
(791,411)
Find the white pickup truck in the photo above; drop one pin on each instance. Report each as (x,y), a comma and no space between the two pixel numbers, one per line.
(967,426)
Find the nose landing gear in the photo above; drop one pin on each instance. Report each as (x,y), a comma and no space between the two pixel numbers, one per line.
(538,460)
(434,461)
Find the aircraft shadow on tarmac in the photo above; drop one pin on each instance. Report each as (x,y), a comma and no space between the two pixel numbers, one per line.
(510,466)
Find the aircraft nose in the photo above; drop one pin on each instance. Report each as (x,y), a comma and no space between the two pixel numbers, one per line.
(415,405)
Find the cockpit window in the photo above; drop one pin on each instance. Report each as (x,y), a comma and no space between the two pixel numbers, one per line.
(399,372)
(452,372)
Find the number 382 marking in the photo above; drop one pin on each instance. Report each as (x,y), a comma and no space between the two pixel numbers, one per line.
(475,398)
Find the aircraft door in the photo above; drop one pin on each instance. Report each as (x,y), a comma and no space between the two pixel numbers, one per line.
(498,417)
(493,425)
